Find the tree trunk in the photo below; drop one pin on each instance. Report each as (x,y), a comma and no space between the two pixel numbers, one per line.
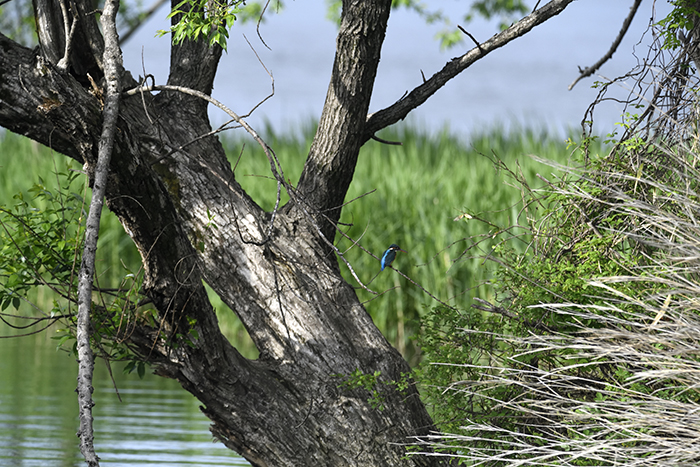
(288,406)
(333,155)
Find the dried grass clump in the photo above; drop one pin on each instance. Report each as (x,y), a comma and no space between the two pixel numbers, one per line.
(613,379)
(620,384)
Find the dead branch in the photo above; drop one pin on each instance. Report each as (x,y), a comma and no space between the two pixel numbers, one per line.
(625,26)
(113,67)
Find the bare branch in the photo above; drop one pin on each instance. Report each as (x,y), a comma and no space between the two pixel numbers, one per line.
(113,66)
(625,26)
(470,37)
(400,109)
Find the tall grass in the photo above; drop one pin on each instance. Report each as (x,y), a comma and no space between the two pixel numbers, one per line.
(417,191)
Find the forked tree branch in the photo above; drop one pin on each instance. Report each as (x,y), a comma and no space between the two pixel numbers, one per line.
(69,27)
(401,108)
(275,165)
(112,60)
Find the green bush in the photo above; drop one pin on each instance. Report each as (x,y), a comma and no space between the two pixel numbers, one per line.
(590,351)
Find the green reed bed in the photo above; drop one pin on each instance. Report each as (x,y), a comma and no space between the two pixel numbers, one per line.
(422,187)
(417,191)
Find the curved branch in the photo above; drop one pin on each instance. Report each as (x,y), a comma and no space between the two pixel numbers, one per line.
(400,109)
(625,26)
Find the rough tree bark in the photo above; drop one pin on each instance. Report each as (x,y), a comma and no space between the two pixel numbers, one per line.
(277,273)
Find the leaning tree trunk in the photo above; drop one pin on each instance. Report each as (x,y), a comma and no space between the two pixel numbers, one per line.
(166,185)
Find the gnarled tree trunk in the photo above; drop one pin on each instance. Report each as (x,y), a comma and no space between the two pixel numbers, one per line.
(286,407)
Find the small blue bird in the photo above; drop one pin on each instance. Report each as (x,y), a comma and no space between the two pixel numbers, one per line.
(390,255)
(387,258)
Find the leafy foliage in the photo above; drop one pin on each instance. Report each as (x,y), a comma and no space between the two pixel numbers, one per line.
(448,339)
(373,384)
(586,333)
(462,348)
(682,18)
(41,242)
(210,20)
(213,20)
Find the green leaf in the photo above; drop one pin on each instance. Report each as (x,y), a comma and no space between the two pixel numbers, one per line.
(129,367)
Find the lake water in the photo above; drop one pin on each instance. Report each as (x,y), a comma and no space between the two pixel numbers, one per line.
(156,423)
(524,82)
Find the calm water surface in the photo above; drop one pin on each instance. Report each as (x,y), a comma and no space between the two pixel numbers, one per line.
(157,422)
(525,83)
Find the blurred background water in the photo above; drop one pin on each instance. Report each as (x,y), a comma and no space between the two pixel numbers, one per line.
(156,422)
(524,83)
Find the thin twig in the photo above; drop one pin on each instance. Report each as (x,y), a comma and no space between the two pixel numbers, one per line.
(625,26)
(257,26)
(384,141)
(478,45)
(272,79)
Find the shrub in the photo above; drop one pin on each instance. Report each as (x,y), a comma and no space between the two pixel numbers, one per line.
(590,352)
